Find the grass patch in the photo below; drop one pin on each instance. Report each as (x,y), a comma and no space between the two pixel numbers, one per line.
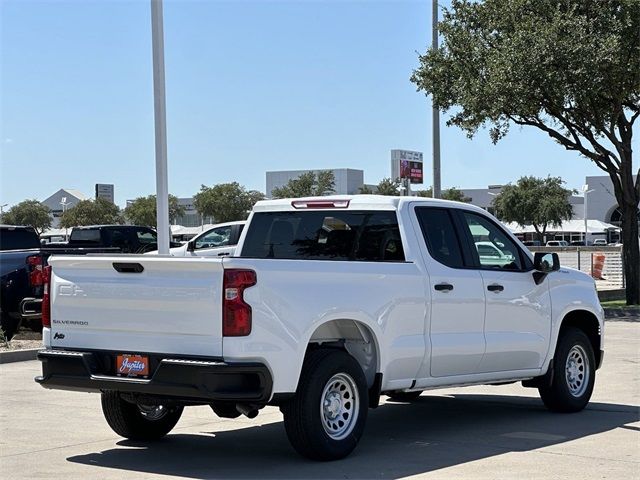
(617,304)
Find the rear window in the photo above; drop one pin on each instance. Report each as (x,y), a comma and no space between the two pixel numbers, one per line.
(365,236)
(85,235)
(18,239)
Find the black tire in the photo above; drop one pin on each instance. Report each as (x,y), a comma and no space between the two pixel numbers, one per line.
(570,392)
(129,421)
(404,396)
(322,372)
(9,325)
(35,325)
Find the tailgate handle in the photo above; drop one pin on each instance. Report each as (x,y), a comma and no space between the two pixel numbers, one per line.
(128,267)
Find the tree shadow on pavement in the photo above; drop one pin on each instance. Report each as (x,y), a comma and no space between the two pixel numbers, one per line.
(399,440)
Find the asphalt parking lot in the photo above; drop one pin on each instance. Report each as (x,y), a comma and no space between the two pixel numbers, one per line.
(478,432)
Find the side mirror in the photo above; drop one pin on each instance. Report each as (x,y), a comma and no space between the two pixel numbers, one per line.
(191,246)
(544,263)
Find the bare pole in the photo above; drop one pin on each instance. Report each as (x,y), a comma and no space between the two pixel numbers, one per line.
(436,113)
(160,114)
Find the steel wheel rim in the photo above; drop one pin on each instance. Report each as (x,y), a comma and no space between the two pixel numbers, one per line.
(153,412)
(577,371)
(339,406)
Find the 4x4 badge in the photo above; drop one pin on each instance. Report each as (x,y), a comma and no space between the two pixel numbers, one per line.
(58,336)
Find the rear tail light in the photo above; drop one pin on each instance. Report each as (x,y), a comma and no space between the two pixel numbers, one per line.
(236,314)
(46,305)
(35,270)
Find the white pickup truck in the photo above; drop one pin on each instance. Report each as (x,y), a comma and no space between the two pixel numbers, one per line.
(329,303)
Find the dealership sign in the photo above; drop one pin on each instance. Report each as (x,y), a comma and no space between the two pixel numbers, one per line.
(407,164)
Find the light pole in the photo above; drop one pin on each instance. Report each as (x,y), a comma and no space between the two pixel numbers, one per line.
(64,204)
(435,113)
(585,189)
(160,115)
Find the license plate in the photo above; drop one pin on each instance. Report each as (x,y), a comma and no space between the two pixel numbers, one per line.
(130,365)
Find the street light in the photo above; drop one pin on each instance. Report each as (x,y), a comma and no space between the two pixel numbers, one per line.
(64,204)
(585,190)
(435,113)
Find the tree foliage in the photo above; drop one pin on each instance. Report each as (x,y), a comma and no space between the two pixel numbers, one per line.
(452,193)
(566,67)
(91,212)
(540,202)
(389,187)
(142,210)
(226,202)
(308,184)
(30,213)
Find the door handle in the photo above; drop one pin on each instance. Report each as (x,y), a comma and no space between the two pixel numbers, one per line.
(443,287)
(223,254)
(495,288)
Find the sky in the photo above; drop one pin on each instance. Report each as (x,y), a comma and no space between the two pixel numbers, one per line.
(251,86)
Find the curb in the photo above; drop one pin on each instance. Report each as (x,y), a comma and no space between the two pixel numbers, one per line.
(19,355)
(621,312)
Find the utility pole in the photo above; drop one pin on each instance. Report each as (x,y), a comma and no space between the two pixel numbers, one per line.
(160,115)
(436,113)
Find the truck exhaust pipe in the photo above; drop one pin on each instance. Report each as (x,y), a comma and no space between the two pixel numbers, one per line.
(249,411)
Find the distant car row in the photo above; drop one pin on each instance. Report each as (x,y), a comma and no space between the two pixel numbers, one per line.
(598,242)
(23,259)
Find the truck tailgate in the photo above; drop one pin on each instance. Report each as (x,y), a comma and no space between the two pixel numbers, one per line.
(173,305)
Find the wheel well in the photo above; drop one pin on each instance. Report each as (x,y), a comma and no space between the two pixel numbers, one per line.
(353,337)
(588,323)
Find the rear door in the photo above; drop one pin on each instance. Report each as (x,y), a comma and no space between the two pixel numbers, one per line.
(456,329)
(137,304)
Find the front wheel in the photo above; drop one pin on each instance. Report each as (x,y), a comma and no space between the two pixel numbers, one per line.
(138,421)
(573,374)
(326,418)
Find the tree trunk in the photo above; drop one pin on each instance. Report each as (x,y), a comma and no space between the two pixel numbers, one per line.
(631,252)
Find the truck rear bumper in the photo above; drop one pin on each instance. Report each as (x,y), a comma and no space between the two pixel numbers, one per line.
(193,379)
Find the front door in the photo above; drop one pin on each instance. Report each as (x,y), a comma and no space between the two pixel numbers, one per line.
(517,324)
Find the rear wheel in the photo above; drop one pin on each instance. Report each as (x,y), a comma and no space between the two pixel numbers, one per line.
(573,373)
(404,396)
(138,421)
(326,418)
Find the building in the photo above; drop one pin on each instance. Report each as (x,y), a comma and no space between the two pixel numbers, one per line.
(191,217)
(62,200)
(347,180)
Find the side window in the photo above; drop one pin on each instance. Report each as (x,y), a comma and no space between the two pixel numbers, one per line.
(494,248)
(218,237)
(440,236)
(145,237)
(119,239)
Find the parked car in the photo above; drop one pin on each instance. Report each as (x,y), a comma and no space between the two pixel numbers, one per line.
(577,243)
(109,238)
(532,243)
(557,243)
(220,240)
(21,280)
(600,242)
(328,303)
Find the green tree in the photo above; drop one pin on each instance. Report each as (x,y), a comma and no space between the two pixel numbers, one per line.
(308,184)
(568,68)
(226,202)
(364,190)
(540,202)
(425,193)
(455,194)
(91,212)
(31,213)
(389,187)
(142,210)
